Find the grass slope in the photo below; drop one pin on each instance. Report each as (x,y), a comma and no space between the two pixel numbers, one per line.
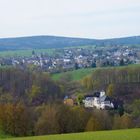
(26,53)
(81,73)
(131,134)
(75,74)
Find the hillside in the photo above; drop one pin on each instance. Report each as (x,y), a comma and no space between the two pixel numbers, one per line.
(135,40)
(132,134)
(74,75)
(42,42)
(45,42)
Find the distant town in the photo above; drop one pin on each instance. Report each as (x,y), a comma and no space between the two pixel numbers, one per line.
(67,59)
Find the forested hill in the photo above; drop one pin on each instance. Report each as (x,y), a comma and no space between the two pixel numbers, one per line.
(44,42)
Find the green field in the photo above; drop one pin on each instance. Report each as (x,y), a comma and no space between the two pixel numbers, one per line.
(75,74)
(81,73)
(131,134)
(25,53)
(28,52)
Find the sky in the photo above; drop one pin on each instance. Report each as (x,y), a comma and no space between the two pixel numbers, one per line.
(73,18)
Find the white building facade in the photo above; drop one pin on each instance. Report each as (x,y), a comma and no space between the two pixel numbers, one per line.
(100,101)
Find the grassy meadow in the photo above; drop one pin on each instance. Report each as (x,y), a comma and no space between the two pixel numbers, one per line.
(131,134)
(81,73)
(75,74)
(26,53)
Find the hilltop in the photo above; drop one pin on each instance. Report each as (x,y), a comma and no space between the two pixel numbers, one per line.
(45,42)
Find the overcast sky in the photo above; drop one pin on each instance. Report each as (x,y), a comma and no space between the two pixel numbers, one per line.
(77,18)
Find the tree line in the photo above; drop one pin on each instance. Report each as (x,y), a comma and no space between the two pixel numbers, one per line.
(120,80)
(20,120)
(33,88)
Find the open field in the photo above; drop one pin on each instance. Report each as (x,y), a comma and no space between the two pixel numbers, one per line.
(26,53)
(75,74)
(131,134)
(81,73)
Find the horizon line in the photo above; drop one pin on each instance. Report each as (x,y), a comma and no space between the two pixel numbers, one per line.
(49,35)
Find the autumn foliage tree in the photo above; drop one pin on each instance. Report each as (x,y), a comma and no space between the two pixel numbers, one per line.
(93,124)
(47,122)
(15,119)
(110,90)
(123,122)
